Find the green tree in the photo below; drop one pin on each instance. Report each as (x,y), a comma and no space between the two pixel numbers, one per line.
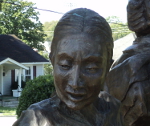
(119,29)
(35,90)
(49,30)
(20,18)
(48,69)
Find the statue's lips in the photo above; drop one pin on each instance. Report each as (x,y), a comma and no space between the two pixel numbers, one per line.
(76,97)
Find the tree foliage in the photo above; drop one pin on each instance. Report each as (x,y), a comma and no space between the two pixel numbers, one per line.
(119,29)
(49,30)
(20,18)
(35,90)
(48,69)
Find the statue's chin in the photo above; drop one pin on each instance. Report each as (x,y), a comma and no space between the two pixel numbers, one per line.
(77,105)
(76,102)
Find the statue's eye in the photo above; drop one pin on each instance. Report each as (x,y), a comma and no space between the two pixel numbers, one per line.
(65,67)
(91,70)
(65,64)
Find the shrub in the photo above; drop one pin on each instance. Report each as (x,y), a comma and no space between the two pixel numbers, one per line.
(35,90)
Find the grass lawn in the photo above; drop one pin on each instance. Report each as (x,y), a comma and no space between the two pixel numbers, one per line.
(6,111)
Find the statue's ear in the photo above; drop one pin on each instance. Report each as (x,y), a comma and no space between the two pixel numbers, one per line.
(111,61)
(51,58)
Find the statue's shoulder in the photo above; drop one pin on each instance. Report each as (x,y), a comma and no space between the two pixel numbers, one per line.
(49,104)
(38,113)
(40,105)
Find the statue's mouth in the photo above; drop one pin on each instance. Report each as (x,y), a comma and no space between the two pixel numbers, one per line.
(76,97)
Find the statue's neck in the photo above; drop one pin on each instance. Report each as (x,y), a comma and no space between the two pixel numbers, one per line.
(89,114)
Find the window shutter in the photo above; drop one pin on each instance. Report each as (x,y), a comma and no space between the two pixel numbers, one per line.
(34,71)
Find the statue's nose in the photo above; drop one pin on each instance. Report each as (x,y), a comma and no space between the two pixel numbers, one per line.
(75,80)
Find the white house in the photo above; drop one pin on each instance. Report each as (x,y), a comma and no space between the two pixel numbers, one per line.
(18,62)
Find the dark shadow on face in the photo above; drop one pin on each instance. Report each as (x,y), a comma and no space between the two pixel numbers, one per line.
(79,69)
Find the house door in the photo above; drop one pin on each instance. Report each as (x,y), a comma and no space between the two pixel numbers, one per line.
(14,85)
(12,76)
(1,79)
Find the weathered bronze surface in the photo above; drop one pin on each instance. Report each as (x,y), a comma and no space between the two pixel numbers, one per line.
(138,13)
(129,78)
(81,55)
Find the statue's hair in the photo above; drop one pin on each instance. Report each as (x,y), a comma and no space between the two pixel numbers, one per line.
(85,21)
(138,15)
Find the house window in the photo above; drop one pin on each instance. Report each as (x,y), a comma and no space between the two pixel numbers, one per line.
(28,74)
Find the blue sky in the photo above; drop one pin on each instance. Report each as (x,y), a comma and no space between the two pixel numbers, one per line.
(104,7)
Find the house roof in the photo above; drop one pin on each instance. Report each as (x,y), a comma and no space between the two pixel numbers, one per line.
(2,58)
(12,47)
(121,44)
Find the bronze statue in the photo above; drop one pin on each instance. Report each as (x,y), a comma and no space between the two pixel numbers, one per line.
(81,55)
(129,78)
(138,14)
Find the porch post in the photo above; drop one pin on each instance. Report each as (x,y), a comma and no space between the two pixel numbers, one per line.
(19,79)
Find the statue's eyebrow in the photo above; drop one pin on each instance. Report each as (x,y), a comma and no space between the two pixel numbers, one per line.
(93,58)
(64,55)
(88,58)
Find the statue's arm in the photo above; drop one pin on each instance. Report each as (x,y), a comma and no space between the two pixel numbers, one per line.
(115,109)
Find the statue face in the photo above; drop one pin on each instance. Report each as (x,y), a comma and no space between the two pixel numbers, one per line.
(79,68)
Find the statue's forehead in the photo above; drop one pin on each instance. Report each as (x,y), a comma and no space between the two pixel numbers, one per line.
(81,39)
(79,43)
(79,50)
